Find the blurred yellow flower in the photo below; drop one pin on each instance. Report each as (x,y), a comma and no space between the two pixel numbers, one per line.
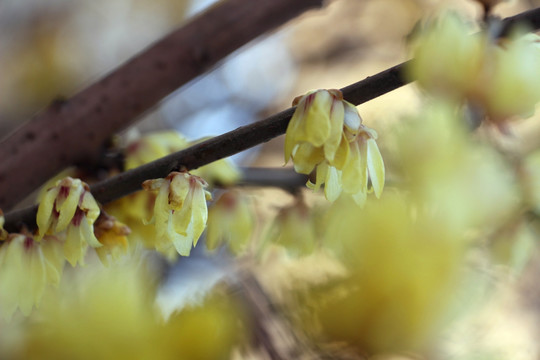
(446,58)
(403,268)
(156,145)
(26,268)
(294,229)
(116,304)
(180,210)
(326,134)
(503,78)
(230,220)
(153,146)
(510,85)
(69,209)
(445,168)
(112,234)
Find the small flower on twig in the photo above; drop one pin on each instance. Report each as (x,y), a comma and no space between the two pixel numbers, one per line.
(326,133)
(70,209)
(294,228)
(180,211)
(230,220)
(112,234)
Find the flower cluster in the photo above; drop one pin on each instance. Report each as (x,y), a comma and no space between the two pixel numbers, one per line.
(159,144)
(134,207)
(326,133)
(69,210)
(401,280)
(26,268)
(502,78)
(180,210)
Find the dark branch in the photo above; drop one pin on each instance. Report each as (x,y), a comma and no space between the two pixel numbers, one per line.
(235,141)
(73,131)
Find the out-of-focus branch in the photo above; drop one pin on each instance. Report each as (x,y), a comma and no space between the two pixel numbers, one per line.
(234,141)
(284,178)
(73,131)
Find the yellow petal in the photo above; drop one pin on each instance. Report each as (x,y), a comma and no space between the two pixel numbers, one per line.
(87,232)
(293,128)
(375,166)
(54,257)
(181,218)
(332,185)
(182,243)
(320,177)
(90,206)
(74,246)
(336,130)
(199,214)
(67,207)
(306,157)
(44,214)
(354,175)
(352,119)
(342,153)
(178,190)
(363,166)
(161,205)
(316,124)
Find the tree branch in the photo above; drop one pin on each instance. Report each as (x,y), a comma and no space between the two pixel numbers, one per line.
(73,131)
(235,141)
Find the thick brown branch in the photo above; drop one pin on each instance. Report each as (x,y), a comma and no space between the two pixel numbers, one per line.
(234,141)
(73,131)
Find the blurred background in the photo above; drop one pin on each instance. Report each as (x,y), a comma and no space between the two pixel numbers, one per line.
(55,48)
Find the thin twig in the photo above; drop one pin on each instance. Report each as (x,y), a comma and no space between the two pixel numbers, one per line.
(237,140)
(73,131)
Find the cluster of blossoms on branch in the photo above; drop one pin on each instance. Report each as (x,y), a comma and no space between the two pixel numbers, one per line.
(326,134)
(180,210)
(68,221)
(501,77)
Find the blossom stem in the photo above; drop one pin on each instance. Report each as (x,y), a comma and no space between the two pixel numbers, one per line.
(243,138)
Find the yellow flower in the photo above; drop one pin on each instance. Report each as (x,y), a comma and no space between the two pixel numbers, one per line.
(294,229)
(403,270)
(69,209)
(153,146)
(134,207)
(159,144)
(503,78)
(447,59)
(315,131)
(26,268)
(112,234)
(510,84)
(326,134)
(230,219)
(364,161)
(117,304)
(180,211)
